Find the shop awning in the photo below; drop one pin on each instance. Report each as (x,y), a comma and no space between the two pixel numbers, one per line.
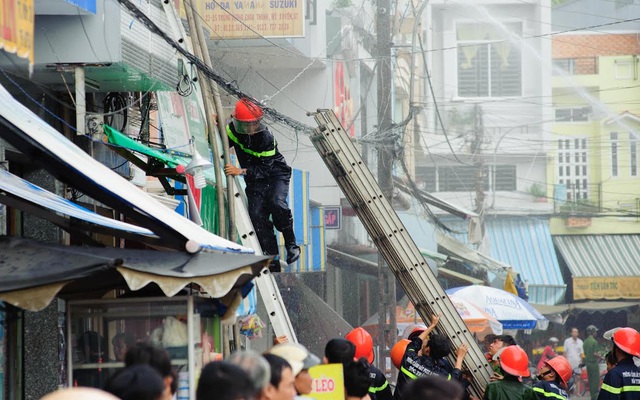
(47,148)
(523,244)
(34,273)
(602,266)
(28,197)
(588,306)
(526,245)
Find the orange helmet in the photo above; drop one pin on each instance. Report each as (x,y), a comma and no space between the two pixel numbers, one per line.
(397,352)
(247,111)
(514,361)
(364,344)
(627,340)
(561,367)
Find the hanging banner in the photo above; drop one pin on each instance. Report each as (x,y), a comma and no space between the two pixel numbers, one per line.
(16,27)
(244,19)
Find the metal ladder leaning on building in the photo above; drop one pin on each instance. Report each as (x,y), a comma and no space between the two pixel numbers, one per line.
(393,241)
(266,284)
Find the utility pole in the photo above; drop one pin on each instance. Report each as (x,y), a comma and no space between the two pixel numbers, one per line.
(211,127)
(476,150)
(387,332)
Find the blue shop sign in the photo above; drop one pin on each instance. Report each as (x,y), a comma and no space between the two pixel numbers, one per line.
(89,5)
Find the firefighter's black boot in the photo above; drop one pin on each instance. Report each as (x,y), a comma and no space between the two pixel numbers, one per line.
(293,251)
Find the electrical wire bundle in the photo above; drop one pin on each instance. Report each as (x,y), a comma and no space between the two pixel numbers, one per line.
(115,104)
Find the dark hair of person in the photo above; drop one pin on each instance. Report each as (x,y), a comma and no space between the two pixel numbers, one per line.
(356,377)
(92,346)
(489,338)
(277,364)
(222,380)
(610,357)
(138,382)
(128,339)
(508,340)
(432,387)
(157,357)
(339,351)
(439,346)
(507,376)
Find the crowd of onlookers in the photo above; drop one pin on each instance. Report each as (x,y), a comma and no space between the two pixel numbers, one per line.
(422,360)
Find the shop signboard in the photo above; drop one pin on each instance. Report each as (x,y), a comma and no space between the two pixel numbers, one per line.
(16,27)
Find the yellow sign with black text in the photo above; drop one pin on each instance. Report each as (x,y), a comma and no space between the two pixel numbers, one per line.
(608,288)
(245,19)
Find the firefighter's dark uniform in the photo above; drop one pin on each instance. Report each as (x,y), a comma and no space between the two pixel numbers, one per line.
(546,390)
(267,177)
(414,366)
(379,389)
(622,382)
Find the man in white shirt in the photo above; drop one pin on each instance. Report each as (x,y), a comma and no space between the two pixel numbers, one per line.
(573,348)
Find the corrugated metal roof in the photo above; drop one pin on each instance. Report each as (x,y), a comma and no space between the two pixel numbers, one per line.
(600,255)
(526,245)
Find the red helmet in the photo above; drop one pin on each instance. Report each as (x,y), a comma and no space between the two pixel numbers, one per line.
(364,344)
(561,367)
(514,361)
(627,340)
(247,111)
(397,352)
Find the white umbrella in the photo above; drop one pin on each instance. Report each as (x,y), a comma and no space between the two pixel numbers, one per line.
(512,311)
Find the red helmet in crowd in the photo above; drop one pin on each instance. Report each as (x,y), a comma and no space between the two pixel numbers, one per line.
(627,340)
(363,341)
(561,367)
(397,352)
(247,117)
(514,361)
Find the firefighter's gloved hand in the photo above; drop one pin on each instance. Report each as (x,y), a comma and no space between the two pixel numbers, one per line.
(231,169)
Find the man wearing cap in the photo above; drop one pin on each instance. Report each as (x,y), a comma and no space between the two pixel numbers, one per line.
(622,382)
(423,357)
(592,360)
(267,176)
(300,360)
(548,352)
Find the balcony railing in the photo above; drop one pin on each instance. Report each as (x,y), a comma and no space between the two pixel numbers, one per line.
(575,66)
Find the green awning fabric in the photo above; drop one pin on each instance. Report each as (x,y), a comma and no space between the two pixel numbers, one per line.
(122,140)
(171,160)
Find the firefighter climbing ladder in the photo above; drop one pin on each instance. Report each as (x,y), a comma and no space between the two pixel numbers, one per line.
(266,284)
(393,241)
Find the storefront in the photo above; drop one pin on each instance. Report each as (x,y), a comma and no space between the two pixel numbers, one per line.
(194,277)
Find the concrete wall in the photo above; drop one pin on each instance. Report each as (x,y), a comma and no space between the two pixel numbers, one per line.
(41,333)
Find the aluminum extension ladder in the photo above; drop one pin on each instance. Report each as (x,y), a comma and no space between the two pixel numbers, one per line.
(265,282)
(393,241)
